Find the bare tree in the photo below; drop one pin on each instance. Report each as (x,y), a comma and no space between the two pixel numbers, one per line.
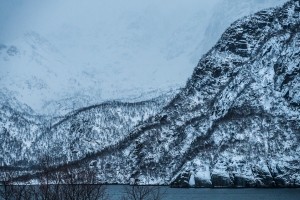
(11,189)
(44,191)
(70,184)
(7,189)
(83,184)
(28,192)
(137,192)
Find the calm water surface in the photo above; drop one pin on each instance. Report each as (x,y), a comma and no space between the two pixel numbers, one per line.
(116,192)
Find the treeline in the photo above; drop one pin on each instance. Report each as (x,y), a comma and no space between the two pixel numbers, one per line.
(69,184)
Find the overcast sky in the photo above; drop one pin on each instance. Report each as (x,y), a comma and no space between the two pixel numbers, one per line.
(17,16)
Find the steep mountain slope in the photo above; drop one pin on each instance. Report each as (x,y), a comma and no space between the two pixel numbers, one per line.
(19,127)
(236,123)
(224,13)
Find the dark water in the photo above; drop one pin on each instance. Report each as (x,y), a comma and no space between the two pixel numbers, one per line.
(116,192)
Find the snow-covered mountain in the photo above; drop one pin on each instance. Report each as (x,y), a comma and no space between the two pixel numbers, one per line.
(138,53)
(235,123)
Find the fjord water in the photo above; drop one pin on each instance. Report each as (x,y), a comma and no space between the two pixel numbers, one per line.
(116,192)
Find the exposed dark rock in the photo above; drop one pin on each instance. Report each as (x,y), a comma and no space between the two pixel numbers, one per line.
(12,51)
(221,181)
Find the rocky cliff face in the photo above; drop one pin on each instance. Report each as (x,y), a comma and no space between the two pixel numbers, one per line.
(241,106)
(236,123)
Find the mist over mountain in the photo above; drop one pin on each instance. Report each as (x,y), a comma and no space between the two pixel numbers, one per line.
(60,56)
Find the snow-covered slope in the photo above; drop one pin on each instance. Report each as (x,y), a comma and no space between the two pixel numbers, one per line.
(26,138)
(19,128)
